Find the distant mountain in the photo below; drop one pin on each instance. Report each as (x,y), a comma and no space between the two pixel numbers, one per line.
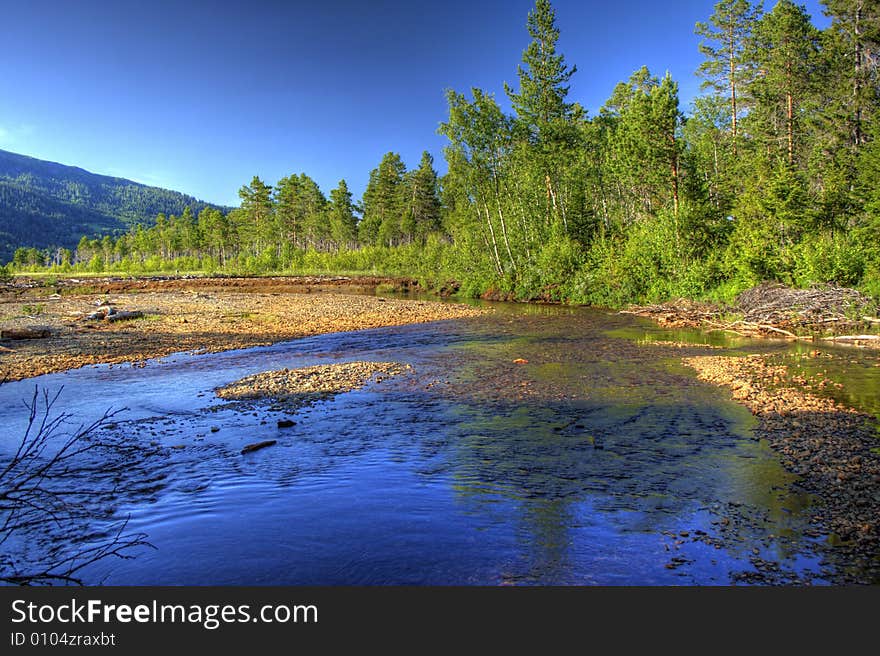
(45,204)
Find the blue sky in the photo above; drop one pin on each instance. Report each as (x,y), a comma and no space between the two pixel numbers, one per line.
(200,96)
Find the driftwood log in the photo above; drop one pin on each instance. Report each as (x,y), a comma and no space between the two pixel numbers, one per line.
(33,332)
(772,303)
(124,316)
(774,309)
(257,446)
(108,313)
(853,338)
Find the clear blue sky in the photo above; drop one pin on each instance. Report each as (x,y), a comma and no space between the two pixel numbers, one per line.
(200,96)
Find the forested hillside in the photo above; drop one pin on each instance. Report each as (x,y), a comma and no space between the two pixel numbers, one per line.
(772,174)
(44,204)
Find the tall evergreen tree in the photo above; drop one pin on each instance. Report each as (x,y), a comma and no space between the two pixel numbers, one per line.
(289,211)
(784,49)
(544,116)
(665,122)
(257,213)
(313,204)
(543,74)
(423,207)
(342,219)
(384,202)
(726,36)
(855,29)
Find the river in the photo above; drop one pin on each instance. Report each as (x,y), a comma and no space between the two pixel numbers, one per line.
(598,460)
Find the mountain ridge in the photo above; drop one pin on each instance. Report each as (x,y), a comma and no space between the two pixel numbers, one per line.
(46,204)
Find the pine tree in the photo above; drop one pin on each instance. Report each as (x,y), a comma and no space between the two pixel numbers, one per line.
(855,29)
(665,121)
(384,202)
(423,209)
(257,213)
(214,227)
(725,70)
(288,210)
(784,48)
(343,222)
(313,206)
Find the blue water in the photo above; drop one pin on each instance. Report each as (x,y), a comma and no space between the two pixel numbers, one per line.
(585,465)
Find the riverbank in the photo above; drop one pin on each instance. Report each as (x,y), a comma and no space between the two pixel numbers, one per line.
(833,449)
(109,321)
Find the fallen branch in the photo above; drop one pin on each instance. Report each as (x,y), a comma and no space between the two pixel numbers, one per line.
(851,338)
(124,316)
(33,332)
(49,499)
(250,448)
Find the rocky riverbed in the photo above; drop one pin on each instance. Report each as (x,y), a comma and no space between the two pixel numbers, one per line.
(182,315)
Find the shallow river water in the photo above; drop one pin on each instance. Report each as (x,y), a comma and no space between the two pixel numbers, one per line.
(600,460)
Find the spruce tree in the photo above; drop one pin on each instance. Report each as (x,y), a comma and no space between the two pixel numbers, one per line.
(343,222)
(423,209)
(543,74)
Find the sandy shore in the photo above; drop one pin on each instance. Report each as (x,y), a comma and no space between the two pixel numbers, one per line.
(202,315)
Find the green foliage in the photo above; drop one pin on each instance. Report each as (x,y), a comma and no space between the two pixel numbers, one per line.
(33,310)
(549,279)
(839,259)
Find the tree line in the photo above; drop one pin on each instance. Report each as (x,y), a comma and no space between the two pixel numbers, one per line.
(271,228)
(773,173)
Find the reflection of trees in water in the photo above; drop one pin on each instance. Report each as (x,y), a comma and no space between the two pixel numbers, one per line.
(546,538)
(658,462)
